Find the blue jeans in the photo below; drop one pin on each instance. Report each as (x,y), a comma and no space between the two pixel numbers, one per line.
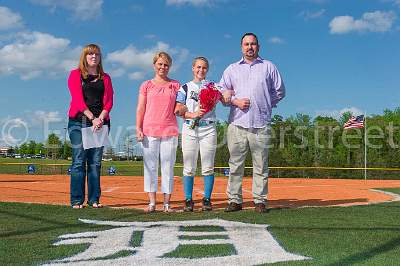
(83,161)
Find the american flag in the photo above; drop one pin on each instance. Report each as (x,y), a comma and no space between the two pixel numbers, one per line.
(354,122)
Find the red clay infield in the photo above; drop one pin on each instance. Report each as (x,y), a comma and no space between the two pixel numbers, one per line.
(127,191)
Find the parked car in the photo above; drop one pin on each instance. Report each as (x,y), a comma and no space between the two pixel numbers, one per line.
(17,156)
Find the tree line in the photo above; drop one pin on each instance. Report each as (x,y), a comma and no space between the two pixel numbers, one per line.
(53,148)
(298,140)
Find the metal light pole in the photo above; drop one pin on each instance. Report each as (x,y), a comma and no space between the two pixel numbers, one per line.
(65,144)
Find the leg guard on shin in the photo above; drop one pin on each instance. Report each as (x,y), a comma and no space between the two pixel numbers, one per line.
(188,186)
(208,185)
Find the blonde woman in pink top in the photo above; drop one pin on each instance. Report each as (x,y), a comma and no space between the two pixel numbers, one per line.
(157,129)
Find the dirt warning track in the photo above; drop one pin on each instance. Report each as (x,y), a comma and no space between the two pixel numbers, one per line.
(127,191)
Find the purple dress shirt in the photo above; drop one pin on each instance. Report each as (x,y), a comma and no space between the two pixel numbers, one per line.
(259,81)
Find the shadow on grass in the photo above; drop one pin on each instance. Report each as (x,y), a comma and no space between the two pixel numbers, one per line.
(57,224)
(292,203)
(368,254)
(73,223)
(366,229)
(282,203)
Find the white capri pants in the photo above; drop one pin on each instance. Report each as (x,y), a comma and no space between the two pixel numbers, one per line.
(200,138)
(165,149)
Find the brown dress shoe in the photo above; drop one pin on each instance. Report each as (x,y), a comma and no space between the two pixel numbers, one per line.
(260,208)
(233,207)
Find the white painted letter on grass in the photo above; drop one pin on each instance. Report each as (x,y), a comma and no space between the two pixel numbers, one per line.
(253,244)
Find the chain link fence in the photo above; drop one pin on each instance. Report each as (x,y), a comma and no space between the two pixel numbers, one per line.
(135,169)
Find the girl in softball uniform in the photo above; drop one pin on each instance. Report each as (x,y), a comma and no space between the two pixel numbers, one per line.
(201,137)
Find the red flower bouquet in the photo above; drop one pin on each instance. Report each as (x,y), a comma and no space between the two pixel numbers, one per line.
(208,97)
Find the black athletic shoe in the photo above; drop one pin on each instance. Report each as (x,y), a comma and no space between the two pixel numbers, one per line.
(206,205)
(188,205)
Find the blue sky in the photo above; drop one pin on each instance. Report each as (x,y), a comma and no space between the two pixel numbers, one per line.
(333,55)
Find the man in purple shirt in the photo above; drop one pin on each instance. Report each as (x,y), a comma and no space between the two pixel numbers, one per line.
(257,87)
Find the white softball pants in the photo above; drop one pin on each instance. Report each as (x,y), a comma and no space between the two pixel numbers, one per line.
(153,149)
(203,139)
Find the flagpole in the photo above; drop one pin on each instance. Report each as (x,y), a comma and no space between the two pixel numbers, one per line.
(365,145)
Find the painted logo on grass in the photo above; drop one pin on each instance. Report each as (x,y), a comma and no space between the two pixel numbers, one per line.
(202,242)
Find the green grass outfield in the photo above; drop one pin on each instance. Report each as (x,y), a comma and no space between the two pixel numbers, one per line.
(359,235)
(60,167)
(135,168)
(49,166)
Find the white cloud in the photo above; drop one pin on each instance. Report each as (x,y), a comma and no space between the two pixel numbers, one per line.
(137,75)
(141,61)
(276,40)
(378,21)
(133,57)
(81,9)
(338,113)
(117,72)
(312,15)
(14,131)
(32,54)
(9,19)
(8,140)
(40,117)
(190,2)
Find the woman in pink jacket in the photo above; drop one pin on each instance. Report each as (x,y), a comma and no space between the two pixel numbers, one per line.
(92,99)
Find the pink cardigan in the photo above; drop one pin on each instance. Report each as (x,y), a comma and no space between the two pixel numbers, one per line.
(75,88)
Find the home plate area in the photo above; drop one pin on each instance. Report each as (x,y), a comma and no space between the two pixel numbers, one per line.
(154,243)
